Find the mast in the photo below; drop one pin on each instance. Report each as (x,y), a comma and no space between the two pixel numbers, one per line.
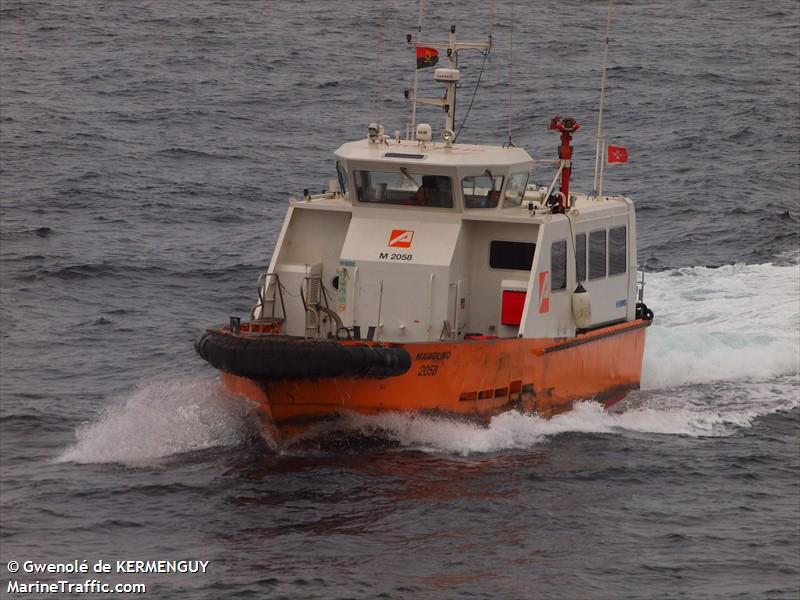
(449,76)
(416,70)
(597,186)
(452,63)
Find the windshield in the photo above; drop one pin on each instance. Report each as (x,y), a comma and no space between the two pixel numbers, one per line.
(404,188)
(515,190)
(342,175)
(481,191)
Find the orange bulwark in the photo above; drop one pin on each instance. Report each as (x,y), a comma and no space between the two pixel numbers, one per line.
(476,379)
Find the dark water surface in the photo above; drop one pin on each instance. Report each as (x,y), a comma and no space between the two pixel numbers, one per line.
(148,151)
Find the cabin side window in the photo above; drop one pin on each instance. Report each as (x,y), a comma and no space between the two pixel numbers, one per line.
(481,191)
(515,190)
(617,250)
(580,257)
(403,188)
(517,256)
(597,254)
(558,265)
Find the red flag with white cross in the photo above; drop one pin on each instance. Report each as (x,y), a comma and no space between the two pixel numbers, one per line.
(616,154)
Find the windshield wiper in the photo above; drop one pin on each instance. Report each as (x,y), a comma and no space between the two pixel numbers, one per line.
(404,171)
(491,178)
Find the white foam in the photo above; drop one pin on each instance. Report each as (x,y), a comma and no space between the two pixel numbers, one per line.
(160,419)
(691,412)
(731,323)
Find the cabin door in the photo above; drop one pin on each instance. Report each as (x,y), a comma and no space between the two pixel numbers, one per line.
(457,299)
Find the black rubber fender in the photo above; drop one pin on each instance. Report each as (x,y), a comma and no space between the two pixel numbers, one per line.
(642,312)
(281,357)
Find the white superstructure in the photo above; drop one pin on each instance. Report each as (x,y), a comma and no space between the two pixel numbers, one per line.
(429,241)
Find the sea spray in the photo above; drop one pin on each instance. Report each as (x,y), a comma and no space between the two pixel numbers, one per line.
(163,418)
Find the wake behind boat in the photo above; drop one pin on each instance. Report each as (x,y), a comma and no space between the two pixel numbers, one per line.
(436,277)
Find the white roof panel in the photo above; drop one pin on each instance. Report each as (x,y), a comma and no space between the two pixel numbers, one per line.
(435,154)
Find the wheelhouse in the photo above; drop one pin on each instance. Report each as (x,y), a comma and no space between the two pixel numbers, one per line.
(437,176)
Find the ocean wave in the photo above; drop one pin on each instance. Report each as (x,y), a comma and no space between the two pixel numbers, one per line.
(22,234)
(91,271)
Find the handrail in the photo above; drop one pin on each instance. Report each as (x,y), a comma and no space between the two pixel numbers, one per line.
(262,300)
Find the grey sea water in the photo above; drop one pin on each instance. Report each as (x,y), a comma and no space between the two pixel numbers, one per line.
(147,152)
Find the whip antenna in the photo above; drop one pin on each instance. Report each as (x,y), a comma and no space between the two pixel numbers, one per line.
(411,132)
(510,71)
(378,99)
(597,185)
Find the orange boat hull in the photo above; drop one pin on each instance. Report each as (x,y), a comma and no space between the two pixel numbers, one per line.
(476,379)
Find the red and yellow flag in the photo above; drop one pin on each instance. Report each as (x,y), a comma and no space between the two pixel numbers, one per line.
(426,57)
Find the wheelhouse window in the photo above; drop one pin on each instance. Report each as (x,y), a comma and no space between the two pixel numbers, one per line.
(515,190)
(558,265)
(481,191)
(517,256)
(403,188)
(617,250)
(580,257)
(597,254)
(341,173)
